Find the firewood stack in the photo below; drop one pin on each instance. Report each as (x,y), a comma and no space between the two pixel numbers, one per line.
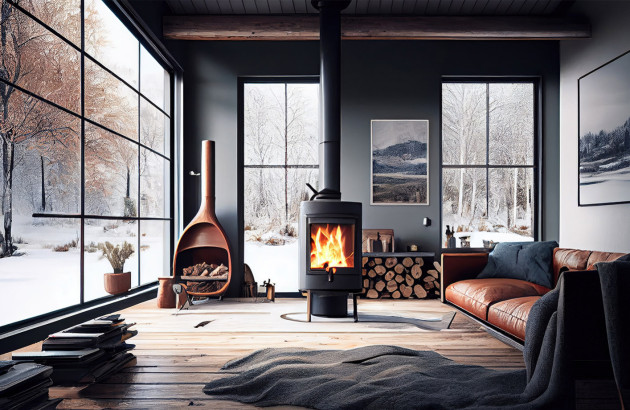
(212,270)
(397,277)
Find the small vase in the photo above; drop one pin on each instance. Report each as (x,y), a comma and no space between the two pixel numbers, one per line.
(117,283)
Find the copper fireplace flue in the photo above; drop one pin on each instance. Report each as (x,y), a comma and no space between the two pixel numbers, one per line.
(204,240)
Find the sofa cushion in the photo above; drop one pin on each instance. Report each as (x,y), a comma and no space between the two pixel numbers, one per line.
(511,315)
(528,261)
(476,295)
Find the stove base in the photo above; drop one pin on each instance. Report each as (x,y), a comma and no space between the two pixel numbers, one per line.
(329,304)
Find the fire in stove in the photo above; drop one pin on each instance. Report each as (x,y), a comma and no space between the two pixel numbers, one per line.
(332,246)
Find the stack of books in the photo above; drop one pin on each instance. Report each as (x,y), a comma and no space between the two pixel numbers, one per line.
(25,386)
(87,353)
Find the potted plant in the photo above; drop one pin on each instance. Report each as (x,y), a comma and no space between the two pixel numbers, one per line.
(119,281)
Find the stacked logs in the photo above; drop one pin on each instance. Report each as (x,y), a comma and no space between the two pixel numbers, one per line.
(399,278)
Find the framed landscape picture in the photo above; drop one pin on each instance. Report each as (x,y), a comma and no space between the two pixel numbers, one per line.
(604,134)
(400,162)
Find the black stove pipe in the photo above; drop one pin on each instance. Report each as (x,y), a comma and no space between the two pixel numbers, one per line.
(330,96)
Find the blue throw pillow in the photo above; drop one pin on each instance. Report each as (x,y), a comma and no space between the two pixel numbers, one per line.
(530,261)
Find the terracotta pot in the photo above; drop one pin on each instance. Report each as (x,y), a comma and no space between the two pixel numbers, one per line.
(166,296)
(117,283)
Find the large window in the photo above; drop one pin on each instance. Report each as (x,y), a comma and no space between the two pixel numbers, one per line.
(489,170)
(84,143)
(280,128)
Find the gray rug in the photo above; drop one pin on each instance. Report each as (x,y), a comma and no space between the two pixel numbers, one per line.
(373,377)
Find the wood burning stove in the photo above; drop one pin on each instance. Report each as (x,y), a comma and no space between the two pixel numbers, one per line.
(330,254)
(329,228)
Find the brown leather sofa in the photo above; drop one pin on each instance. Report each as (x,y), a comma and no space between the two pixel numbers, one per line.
(504,304)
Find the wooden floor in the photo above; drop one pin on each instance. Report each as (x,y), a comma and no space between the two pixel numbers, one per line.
(175,359)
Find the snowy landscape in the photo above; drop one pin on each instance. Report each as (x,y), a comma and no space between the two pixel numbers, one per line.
(281,156)
(604,148)
(488,203)
(41,181)
(399,162)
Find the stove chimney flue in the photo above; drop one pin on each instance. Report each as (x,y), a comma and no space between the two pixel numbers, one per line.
(330,96)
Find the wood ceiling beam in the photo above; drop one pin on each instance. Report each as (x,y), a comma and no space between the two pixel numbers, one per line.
(375,28)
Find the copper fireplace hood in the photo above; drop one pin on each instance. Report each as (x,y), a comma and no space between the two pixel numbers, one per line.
(204,239)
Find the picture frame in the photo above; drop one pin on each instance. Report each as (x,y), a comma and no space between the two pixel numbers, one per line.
(604,134)
(370,237)
(399,162)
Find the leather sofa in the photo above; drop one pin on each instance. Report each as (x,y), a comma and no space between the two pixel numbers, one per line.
(504,304)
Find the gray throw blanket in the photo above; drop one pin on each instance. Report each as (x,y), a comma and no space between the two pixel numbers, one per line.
(391,377)
(614,278)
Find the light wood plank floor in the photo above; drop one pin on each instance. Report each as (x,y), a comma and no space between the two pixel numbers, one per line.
(175,359)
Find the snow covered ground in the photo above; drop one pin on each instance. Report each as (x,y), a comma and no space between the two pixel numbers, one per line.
(477,238)
(41,280)
(278,263)
(605,187)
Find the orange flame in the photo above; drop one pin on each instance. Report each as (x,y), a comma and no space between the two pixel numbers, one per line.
(327,249)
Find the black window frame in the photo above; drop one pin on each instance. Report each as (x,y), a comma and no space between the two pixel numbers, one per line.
(242,80)
(31,326)
(537,168)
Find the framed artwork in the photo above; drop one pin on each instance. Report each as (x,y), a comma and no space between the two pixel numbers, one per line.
(377,240)
(604,134)
(400,162)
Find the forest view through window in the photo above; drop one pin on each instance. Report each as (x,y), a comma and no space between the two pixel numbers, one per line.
(488,162)
(281,155)
(85,151)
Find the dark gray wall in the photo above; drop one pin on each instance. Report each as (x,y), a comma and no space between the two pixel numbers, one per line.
(380,80)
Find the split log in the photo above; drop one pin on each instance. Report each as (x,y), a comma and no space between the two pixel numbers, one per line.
(364,260)
(219,271)
(390,262)
(371,264)
(372,294)
(371,273)
(389,275)
(437,284)
(420,261)
(378,261)
(363,272)
(380,285)
(407,262)
(366,283)
(392,286)
(396,294)
(428,279)
(419,292)
(416,271)
(409,280)
(399,278)
(399,268)
(380,270)
(405,290)
(437,266)
(433,273)
(429,285)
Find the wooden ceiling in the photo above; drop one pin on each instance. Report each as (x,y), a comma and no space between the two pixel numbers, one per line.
(380,7)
